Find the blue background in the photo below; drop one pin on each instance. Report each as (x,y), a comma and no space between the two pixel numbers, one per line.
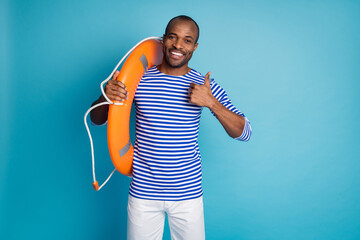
(291,66)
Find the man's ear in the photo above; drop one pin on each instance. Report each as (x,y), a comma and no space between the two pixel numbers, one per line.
(196,45)
(163,39)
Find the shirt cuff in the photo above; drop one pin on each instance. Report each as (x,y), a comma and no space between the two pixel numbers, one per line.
(245,136)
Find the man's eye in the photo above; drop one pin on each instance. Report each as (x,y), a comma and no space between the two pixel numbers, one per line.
(188,41)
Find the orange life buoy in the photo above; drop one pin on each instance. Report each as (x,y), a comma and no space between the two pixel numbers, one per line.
(143,57)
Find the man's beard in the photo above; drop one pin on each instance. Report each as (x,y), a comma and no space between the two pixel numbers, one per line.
(178,64)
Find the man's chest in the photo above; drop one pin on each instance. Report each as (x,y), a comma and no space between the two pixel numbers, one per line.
(165,97)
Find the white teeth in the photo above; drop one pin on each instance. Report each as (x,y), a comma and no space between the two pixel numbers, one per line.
(176,53)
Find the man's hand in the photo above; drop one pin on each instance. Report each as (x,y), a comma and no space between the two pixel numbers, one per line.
(201,95)
(116,90)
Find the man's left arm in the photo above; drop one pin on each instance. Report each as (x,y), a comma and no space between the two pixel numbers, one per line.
(235,125)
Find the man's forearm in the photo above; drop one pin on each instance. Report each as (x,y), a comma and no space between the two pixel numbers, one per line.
(232,122)
(99,115)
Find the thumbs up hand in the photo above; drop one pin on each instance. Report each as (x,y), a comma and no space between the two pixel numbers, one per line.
(201,95)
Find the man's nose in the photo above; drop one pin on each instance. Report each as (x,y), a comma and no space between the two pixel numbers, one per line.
(177,44)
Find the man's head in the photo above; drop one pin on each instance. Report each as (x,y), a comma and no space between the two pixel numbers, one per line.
(183,18)
(180,41)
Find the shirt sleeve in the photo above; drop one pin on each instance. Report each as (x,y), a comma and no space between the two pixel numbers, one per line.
(220,94)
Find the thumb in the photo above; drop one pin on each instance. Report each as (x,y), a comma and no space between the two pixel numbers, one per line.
(115,75)
(207,79)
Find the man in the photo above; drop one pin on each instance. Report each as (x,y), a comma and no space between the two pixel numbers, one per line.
(167,164)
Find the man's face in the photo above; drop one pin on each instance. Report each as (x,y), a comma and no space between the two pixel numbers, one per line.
(179,44)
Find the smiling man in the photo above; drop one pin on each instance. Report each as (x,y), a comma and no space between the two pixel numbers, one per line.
(167,164)
(180,41)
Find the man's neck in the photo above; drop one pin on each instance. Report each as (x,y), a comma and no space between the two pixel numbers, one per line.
(168,70)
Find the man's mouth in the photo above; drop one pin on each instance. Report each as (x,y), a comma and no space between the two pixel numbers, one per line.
(176,54)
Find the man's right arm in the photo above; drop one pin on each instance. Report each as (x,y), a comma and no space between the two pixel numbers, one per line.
(114,90)
(99,115)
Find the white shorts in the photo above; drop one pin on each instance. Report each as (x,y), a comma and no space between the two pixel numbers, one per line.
(146,219)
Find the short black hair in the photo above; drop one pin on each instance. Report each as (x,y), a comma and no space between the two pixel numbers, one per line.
(186,18)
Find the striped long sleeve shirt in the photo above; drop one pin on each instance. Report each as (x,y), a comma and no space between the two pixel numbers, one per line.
(167,162)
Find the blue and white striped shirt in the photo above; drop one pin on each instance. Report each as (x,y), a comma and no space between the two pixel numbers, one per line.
(167,162)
